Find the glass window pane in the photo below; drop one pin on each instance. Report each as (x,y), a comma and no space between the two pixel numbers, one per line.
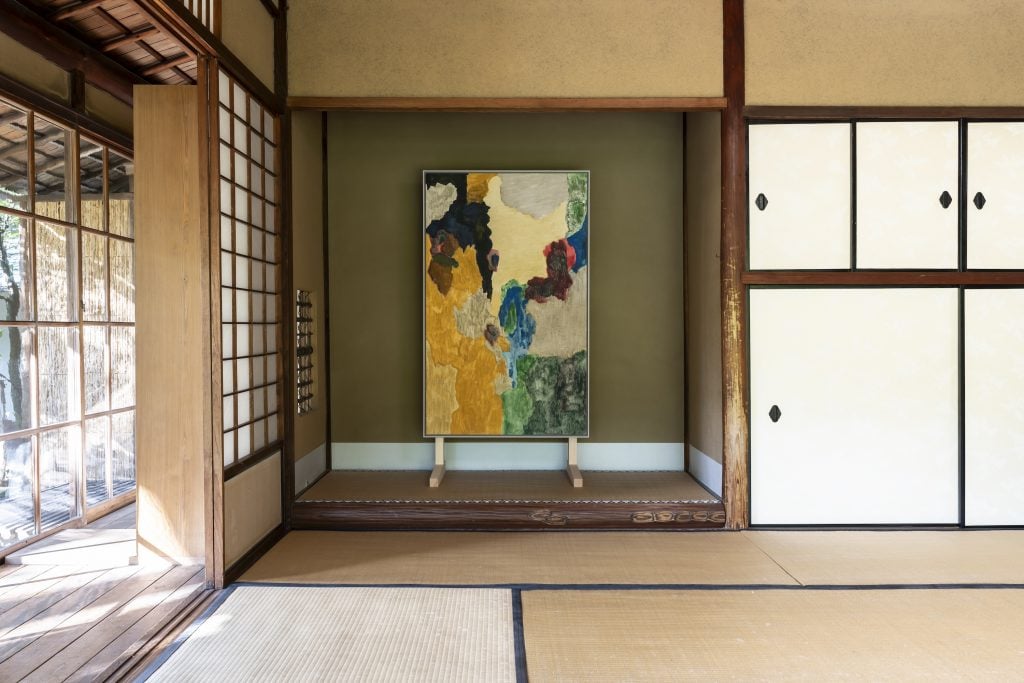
(14,148)
(270,187)
(272,400)
(239,101)
(17,508)
(244,377)
(122,281)
(121,186)
(58,375)
(122,451)
(59,450)
(256,243)
(56,278)
(90,183)
(243,408)
(122,380)
(255,117)
(15,268)
(225,230)
(243,340)
(225,161)
(15,381)
(97,440)
(52,146)
(257,338)
(229,448)
(270,219)
(94,276)
(271,248)
(97,369)
(268,125)
(272,429)
(228,377)
(242,268)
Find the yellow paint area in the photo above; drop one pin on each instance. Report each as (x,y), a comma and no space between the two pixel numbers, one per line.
(464,403)
(476,186)
(520,240)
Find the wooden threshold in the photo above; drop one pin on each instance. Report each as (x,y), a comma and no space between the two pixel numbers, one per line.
(505,516)
(885,278)
(508,104)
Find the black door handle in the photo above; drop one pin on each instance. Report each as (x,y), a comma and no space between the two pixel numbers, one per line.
(775,413)
(761,202)
(979,200)
(945,199)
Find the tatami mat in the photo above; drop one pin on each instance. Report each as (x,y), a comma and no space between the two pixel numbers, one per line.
(548,486)
(488,558)
(349,634)
(896,557)
(771,635)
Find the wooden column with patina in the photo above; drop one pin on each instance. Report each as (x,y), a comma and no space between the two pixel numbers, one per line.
(735,418)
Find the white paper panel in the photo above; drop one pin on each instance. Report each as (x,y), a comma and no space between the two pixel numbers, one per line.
(995,167)
(902,170)
(993,387)
(866,380)
(803,170)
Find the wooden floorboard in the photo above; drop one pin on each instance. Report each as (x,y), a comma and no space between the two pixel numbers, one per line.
(119,519)
(57,644)
(33,618)
(87,646)
(22,584)
(51,584)
(125,646)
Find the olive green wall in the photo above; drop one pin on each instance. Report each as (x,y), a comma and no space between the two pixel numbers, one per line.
(374,173)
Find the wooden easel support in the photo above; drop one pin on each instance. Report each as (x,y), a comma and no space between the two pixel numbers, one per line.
(437,474)
(573,468)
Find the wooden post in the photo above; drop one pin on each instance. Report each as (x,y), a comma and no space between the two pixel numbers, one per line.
(437,474)
(735,423)
(573,468)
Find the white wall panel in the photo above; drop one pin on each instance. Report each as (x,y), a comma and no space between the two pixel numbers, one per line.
(995,168)
(866,380)
(993,387)
(902,170)
(803,170)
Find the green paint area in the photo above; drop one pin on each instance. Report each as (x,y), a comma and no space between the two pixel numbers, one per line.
(576,209)
(550,397)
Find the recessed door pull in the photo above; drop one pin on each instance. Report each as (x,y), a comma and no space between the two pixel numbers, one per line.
(945,199)
(761,201)
(979,200)
(775,413)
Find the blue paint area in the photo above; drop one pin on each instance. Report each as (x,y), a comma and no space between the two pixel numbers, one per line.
(578,241)
(519,326)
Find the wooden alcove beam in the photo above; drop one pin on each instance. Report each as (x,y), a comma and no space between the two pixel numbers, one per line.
(508,104)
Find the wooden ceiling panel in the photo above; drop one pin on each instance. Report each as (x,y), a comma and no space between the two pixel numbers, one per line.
(125,32)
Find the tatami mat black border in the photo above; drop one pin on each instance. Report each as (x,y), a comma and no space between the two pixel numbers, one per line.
(654,586)
(519,636)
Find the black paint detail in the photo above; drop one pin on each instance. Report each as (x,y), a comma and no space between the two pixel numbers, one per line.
(979,200)
(761,202)
(775,413)
(468,222)
(945,199)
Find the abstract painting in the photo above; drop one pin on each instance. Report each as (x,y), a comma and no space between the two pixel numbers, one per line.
(506,299)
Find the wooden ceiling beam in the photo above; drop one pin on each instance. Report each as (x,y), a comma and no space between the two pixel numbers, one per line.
(167,64)
(72,11)
(65,50)
(131,38)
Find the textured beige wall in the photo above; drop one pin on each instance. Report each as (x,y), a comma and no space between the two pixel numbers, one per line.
(102,105)
(247,29)
(636,323)
(884,52)
(308,259)
(27,67)
(491,48)
(252,507)
(703,282)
